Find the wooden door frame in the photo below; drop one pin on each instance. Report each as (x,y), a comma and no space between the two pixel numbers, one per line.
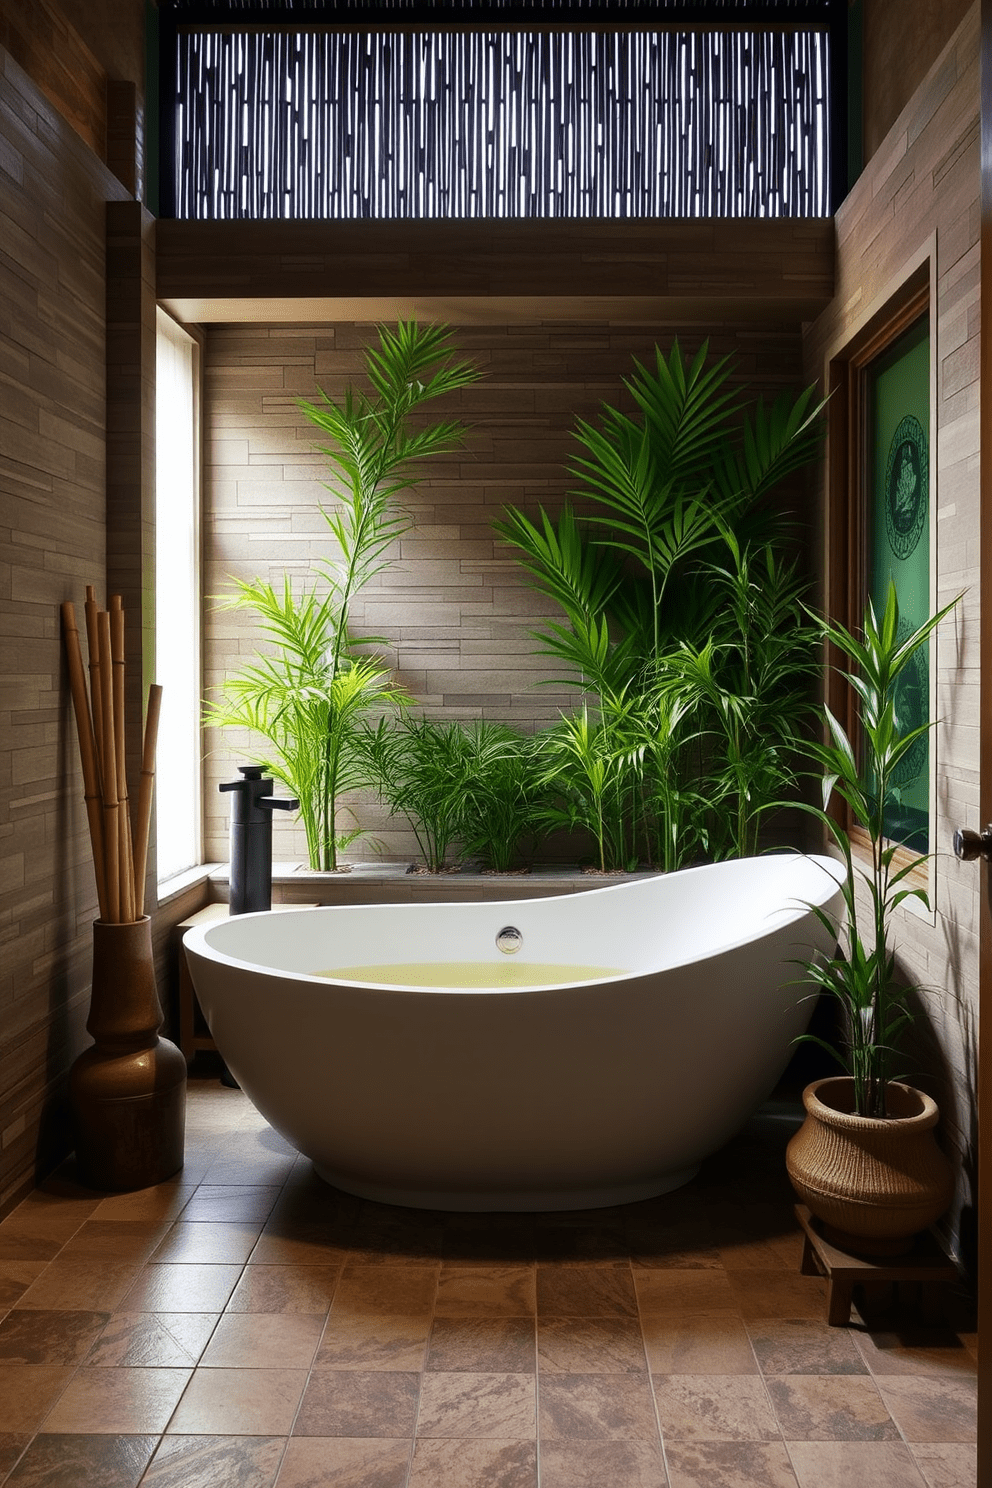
(985,788)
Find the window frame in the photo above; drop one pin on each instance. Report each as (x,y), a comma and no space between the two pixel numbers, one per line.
(849,369)
(196,339)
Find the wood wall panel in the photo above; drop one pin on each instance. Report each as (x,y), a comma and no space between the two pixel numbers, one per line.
(922,187)
(754,265)
(52,543)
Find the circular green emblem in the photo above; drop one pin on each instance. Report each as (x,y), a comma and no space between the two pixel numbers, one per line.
(906,484)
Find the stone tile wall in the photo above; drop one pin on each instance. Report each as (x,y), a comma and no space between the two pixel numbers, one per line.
(453,603)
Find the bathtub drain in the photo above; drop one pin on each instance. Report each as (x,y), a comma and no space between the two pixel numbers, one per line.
(509,940)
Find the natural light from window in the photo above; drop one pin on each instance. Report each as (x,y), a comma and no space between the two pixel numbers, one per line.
(177,587)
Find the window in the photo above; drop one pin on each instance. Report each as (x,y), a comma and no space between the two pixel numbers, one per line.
(177,587)
(642,112)
(881,519)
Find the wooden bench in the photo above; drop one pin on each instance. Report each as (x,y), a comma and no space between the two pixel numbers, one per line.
(924,1263)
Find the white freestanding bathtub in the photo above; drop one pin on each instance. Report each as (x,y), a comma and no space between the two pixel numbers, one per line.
(602,1090)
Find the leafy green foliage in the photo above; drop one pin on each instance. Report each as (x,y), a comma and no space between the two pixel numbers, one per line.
(681,620)
(864,979)
(420,767)
(503,797)
(306,699)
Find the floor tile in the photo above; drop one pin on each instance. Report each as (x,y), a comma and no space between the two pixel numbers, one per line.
(399,1290)
(596,1407)
(804,1346)
(167,1339)
(12,1444)
(489,1240)
(380,1341)
(916,1351)
(212,1244)
(39,1337)
(303,1245)
(28,1392)
(585,1291)
(830,1407)
(590,1345)
(931,1409)
(164,1201)
(359,1403)
(230,1203)
(381,1237)
(15,1278)
(846,1463)
(602,1464)
(763,1293)
(20,1245)
(253,1340)
(462,1404)
(215,1462)
(697,1343)
(239,1402)
(588,1243)
(117,1400)
(120,1239)
(285,1289)
(947,1464)
(259,1169)
(670,1290)
(175,1287)
(474,1464)
(707,1464)
(345,1462)
(486,1291)
(83,1460)
(714,1408)
(80,1282)
(500,1345)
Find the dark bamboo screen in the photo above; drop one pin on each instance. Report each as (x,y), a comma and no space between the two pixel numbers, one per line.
(487,122)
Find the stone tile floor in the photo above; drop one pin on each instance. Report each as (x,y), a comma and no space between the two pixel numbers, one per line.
(244,1326)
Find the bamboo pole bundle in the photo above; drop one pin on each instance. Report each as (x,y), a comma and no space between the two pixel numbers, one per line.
(118,858)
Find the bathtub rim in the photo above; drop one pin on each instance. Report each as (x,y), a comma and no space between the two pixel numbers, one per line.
(781,916)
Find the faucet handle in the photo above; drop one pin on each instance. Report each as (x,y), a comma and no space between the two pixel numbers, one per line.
(278,803)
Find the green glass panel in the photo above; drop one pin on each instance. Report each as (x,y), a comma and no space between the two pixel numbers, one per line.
(899,548)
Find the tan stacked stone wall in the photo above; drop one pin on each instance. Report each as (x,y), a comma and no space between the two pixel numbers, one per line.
(453,603)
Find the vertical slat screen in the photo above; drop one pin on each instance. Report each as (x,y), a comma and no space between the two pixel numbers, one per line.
(427,123)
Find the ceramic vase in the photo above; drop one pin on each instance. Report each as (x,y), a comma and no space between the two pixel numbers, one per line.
(873,1183)
(128,1090)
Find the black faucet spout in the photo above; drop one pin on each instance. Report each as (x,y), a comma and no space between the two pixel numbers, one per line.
(252,805)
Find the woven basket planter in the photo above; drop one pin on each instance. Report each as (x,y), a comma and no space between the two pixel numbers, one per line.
(873,1183)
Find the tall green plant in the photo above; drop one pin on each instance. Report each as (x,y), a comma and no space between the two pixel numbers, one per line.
(660,488)
(749,686)
(305,700)
(420,767)
(862,975)
(503,797)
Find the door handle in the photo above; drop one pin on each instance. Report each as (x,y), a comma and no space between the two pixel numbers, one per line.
(969,844)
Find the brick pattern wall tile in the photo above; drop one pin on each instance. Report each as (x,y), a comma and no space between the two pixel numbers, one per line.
(453,604)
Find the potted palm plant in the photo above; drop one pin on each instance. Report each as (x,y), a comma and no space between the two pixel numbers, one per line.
(865,1160)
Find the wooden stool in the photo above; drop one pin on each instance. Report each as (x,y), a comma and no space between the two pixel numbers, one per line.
(924,1262)
(193,1031)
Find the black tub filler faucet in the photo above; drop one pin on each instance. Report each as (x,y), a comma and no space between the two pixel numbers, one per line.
(252,806)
